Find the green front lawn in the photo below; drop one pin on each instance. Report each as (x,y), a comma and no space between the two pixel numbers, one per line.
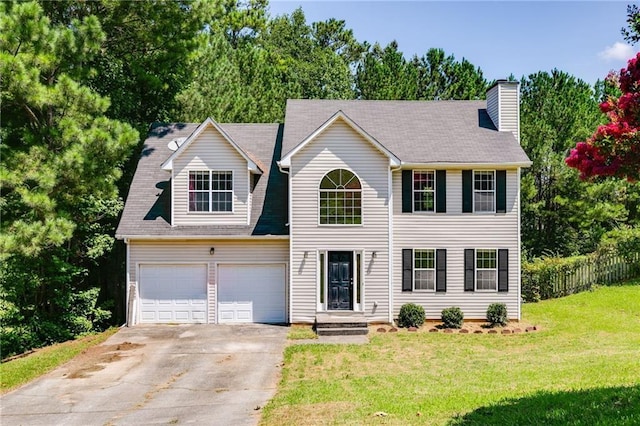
(582,368)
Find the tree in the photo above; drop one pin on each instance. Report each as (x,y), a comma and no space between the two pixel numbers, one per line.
(560,214)
(632,32)
(442,77)
(61,160)
(614,148)
(311,61)
(231,84)
(386,74)
(250,81)
(240,20)
(141,63)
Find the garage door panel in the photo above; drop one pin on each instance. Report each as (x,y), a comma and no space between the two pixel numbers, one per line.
(251,293)
(173,293)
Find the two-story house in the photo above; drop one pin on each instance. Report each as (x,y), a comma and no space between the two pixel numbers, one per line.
(348,207)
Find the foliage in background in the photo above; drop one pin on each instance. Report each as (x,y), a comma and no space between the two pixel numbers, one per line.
(561,215)
(61,161)
(141,63)
(280,58)
(632,32)
(384,73)
(623,242)
(614,148)
(617,258)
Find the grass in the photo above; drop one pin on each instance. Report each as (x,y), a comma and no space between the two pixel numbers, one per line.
(582,368)
(301,332)
(22,370)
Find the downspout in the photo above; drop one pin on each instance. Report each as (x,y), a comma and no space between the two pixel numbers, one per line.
(519,251)
(289,296)
(390,239)
(127,281)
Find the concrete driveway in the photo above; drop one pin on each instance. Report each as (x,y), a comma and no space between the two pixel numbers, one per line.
(174,374)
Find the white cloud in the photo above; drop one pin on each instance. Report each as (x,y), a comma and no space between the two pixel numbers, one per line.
(617,52)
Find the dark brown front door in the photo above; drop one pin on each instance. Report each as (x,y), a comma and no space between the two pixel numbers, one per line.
(340,284)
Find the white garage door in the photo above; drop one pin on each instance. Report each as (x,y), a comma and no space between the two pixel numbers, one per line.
(173,293)
(251,293)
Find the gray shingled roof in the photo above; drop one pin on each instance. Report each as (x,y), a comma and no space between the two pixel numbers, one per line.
(147,210)
(415,131)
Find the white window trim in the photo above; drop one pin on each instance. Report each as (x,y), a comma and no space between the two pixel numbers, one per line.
(211,191)
(476,269)
(413,191)
(358,274)
(341,225)
(474,191)
(434,269)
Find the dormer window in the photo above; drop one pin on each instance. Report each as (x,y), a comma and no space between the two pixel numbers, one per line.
(210,191)
(340,198)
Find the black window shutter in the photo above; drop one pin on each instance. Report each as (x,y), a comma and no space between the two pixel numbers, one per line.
(503,270)
(441,191)
(407,191)
(467,191)
(441,270)
(407,269)
(469,269)
(501,191)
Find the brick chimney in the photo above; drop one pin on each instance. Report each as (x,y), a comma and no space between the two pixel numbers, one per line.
(503,106)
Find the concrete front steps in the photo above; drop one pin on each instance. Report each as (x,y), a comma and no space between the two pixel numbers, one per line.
(341,324)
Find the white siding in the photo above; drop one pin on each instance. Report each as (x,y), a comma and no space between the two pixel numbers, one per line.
(455,232)
(509,109)
(503,107)
(192,252)
(339,146)
(210,152)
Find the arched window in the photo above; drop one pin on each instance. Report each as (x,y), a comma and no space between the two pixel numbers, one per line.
(340,198)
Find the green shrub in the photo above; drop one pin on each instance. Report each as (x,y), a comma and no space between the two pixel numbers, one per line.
(497,314)
(411,315)
(624,242)
(452,317)
(617,259)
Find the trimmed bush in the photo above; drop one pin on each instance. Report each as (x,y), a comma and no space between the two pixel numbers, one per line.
(452,317)
(497,314)
(411,315)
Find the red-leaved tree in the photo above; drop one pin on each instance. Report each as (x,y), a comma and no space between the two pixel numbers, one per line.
(614,148)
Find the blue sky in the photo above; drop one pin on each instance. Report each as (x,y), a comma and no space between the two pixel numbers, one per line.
(501,37)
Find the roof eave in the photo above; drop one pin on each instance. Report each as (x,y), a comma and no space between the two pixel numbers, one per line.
(200,237)
(466,165)
(285,161)
(252,166)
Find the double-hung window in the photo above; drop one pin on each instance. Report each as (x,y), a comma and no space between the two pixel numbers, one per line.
(424,269)
(484,191)
(424,190)
(486,269)
(210,191)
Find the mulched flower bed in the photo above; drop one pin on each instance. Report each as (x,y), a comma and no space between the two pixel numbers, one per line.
(467,328)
